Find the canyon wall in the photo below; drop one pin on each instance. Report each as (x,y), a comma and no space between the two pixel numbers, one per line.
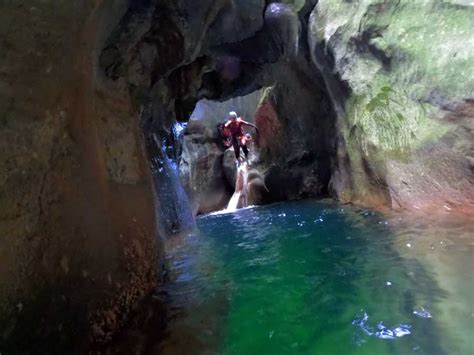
(400,77)
(78,238)
(366,101)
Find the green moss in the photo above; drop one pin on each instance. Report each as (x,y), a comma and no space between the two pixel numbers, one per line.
(390,122)
(429,49)
(266,94)
(430,44)
(402,61)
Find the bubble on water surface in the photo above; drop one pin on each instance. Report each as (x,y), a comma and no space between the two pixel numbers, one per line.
(385,334)
(361,321)
(382,332)
(402,330)
(422,313)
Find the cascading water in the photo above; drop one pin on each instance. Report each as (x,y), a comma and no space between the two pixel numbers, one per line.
(240,197)
(173,208)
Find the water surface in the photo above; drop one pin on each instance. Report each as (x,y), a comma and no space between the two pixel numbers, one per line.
(320,278)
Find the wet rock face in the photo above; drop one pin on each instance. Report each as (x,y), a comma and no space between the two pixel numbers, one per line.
(396,73)
(78,243)
(200,169)
(297,141)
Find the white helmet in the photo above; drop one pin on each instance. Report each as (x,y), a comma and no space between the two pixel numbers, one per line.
(233,114)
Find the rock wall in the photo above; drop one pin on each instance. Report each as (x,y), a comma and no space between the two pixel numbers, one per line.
(78,235)
(368,104)
(399,77)
(296,145)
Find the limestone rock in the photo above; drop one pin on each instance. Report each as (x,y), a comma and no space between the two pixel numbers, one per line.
(82,82)
(398,76)
(78,233)
(202,174)
(371,101)
(230,166)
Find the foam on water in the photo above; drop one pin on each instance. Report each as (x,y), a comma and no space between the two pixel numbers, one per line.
(382,331)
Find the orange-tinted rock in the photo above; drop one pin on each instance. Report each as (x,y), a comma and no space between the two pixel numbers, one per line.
(78,236)
(271,136)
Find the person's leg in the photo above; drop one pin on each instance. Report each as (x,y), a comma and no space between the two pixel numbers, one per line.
(246,150)
(235,143)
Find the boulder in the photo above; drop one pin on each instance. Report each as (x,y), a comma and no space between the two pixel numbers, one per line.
(202,175)
(230,166)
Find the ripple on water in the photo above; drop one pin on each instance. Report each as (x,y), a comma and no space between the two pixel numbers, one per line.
(292,278)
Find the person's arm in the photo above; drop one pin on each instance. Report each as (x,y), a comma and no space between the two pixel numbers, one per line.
(227,123)
(249,124)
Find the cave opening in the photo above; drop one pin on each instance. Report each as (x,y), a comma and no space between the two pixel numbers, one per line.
(267,74)
(289,156)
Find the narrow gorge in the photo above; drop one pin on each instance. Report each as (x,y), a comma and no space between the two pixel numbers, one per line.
(112,173)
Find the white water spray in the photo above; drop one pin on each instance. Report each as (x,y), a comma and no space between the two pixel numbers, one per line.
(240,197)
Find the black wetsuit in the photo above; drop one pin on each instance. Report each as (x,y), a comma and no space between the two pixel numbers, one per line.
(237,144)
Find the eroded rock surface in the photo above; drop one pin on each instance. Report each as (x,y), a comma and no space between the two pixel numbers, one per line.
(399,74)
(78,235)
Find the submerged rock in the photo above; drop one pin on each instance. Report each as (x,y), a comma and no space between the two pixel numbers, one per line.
(201,170)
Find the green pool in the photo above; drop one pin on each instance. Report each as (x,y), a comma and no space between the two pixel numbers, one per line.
(319,278)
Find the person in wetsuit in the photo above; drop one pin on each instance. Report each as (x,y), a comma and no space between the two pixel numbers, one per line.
(235,128)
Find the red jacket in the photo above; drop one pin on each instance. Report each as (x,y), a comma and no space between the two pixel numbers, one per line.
(235,127)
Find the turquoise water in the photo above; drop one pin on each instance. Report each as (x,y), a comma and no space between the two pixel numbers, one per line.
(317,278)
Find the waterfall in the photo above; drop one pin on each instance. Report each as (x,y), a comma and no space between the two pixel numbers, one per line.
(234,201)
(174,214)
(240,197)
